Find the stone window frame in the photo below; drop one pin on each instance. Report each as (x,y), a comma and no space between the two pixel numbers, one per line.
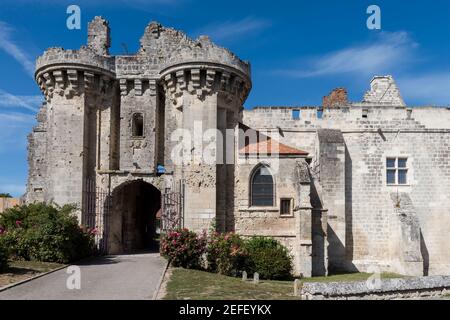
(365,114)
(252,175)
(133,115)
(291,207)
(396,170)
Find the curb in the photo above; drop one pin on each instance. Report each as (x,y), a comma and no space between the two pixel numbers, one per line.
(155,294)
(15,284)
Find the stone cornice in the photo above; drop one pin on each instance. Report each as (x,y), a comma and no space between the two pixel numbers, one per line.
(202,80)
(69,82)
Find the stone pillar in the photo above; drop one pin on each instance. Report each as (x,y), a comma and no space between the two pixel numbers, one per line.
(331,159)
(222,190)
(303,222)
(231,158)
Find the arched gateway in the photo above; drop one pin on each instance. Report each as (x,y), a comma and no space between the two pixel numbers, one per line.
(132,226)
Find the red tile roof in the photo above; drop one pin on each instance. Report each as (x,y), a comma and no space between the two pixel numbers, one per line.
(267,147)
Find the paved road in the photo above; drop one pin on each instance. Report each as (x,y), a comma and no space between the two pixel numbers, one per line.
(128,277)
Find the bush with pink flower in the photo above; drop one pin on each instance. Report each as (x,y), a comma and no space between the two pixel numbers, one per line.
(183,248)
(226,253)
(44,232)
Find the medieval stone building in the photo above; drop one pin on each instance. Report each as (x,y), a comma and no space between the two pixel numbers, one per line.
(345,186)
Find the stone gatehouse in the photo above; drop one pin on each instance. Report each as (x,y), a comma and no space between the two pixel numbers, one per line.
(345,186)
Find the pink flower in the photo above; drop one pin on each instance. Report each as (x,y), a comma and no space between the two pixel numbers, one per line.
(2,230)
(18,223)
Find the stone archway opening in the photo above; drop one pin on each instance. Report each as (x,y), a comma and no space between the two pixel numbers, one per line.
(135,212)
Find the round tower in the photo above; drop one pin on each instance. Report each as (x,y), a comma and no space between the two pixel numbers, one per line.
(205,87)
(78,86)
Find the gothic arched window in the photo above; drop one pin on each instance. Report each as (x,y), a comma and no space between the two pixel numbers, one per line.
(262,188)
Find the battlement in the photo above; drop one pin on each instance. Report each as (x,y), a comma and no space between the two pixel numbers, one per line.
(184,49)
(354,116)
(165,54)
(382,105)
(85,57)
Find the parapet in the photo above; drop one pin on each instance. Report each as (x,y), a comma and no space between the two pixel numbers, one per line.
(85,57)
(173,47)
(166,55)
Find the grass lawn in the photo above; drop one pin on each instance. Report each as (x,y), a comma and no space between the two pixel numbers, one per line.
(22,270)
(199,285)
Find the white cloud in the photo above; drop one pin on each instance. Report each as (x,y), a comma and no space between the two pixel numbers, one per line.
(429,88)
(15,119)
(11,48)
(389,50)
(234,29)
(9,100)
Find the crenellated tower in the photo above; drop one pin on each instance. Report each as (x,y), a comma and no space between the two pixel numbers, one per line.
(79,87)
(110,120)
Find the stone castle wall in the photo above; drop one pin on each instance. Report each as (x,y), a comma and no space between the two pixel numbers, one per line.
(85,132)
(7,203)
(372,132)
(86,129)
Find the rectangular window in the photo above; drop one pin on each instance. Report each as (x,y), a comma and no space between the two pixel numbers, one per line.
(286,207)
(397,171)
(296,114)
(319,113)
(137,125)
(365,113)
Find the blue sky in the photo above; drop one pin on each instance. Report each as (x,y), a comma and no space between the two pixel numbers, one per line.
(299,51)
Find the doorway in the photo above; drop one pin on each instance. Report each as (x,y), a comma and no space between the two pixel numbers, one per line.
(134,218)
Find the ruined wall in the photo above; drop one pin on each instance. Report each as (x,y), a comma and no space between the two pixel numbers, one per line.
(373,132)
(37,159)
(6,203)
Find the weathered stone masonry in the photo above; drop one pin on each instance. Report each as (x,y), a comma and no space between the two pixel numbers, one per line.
(372,224)
(111,121)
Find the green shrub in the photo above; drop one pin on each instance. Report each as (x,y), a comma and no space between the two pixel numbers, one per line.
(45,233)
(226,254)
(269,258)
(3,253)
(183,248)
